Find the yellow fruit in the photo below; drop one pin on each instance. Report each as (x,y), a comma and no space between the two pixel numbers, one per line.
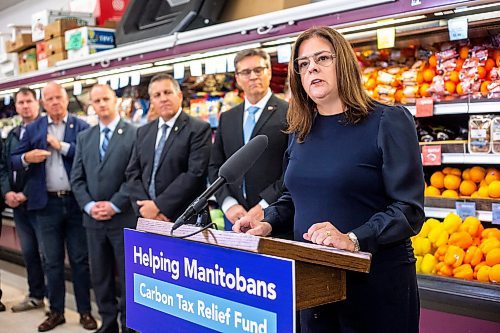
(483,183)
(449,194)
(421,246)
(467,187)
(491,176)
(452,222)
(474,195)
(452,182)
(428,226)
(483,192)
(492,257)
(438,235)
(494,273)
(428,265)
(431,191)
(447,170)
(477,174)
(418,264)
(488,245)
(483,274)
(466,174)
(437,179)
(494,189)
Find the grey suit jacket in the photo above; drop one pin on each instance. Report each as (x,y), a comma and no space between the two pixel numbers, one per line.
(95,180)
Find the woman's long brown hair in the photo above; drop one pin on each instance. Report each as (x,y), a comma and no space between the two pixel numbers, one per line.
(351,92)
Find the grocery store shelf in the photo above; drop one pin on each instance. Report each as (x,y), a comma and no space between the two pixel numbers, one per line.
(454,158)
(462,108)
(440,213)
(470,298)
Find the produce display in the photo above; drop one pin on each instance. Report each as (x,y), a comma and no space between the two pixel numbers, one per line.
(475,182)
(460,249)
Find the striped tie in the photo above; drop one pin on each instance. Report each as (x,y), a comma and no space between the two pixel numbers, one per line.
(156,162)
(105,142)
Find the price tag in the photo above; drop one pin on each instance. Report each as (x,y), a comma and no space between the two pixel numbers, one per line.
(221,65)
(424,107)
(195,68)
(465,209)
(77,88)
(114,83)
(178,71)
(284,53)
(75,41)
(416,2)
(386,38)
(431,155)
(495,210)
(230,62)
(135,79)
(457,28)
(124,80)
(210,66)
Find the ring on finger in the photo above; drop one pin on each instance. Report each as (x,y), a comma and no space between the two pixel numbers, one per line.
(328,233)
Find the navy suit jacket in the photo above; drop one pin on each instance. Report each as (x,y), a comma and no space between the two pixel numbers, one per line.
(35,137)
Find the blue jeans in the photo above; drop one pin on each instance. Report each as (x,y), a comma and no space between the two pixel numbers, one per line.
(60,222)
(29,236)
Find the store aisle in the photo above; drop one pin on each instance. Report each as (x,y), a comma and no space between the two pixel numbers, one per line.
(14,287)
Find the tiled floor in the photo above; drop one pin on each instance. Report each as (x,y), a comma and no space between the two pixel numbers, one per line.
(14,287)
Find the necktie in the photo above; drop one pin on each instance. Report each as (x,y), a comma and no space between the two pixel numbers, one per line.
(105,142)
(156,162)
(249,123)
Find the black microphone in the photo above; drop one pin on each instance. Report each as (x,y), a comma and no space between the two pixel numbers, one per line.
(230,172)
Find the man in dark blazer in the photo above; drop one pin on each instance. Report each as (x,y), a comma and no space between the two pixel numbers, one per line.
(47,150)
(168,168)
(12,184)
(261,113)
(98,182)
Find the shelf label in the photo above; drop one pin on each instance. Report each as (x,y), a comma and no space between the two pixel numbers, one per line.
(416,2)
(77,88)
(386,38)
(195,68)
(495,210)
(75,41)
(210,66)
(178,71)
(284,53)
(431,155)
(465,209)
(424,107)
(457,28)
(135,79)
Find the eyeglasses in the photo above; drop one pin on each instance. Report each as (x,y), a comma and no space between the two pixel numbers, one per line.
(246,73)
(322,58)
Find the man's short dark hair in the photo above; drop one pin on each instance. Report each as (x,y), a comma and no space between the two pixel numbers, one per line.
(25,91)
(250,53)
(162,77)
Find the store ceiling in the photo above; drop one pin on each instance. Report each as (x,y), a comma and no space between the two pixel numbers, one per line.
(4,4)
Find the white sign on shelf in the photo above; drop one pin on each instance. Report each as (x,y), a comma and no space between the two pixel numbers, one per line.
(195,68)
(284,53)
(135,79)
(6,100)
(102,80)
(38,93)
(77,88)
(230,62)
(124,80)
(458,28)
(221,65)
(115,82)
(495,210)
(210,66)
(178,71)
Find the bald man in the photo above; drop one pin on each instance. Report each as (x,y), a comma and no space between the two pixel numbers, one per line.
(47,150)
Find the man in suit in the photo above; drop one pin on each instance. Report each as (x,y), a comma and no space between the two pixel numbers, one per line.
(12,184)
(47,150)
(98,182)
(261,113)
(168,167)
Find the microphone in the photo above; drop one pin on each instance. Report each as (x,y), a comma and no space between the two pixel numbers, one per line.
(230,172)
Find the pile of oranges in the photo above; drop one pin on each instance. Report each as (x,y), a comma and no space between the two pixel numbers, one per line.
(475,182)
(460,249)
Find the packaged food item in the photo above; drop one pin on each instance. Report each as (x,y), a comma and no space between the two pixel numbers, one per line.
(479,134)
(495,134)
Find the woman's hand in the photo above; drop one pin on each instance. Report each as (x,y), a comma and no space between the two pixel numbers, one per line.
(324,233)
(250,225)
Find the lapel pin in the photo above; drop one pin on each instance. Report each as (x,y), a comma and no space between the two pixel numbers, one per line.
(176,128)
(269,108)
(71,125)
(120,131)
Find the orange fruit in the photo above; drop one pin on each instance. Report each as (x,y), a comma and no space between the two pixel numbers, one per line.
(454,77)
(459,89)
(456,172)
(429,74)
(437,179)
(475,195)
(463,52)
(447,170)
(460,63)
(398,95)
(423,90)
(481,72)
(483,274)
(450,87)
(495,273)
(371,84)
(452,182)
(484,88)
(491,176)
(449,194)
(431,191)
(477,174)
(494,189)
(466,174)
(493,257)
(420,77)
(483,192)
(483,183)
(467,187)
(433,61)
(490,63)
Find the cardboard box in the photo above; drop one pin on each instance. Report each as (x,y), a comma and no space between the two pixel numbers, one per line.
(238,9)
(51,60)
(54,45)
(41,52)
(81,37)
(87,50)
(59,27)
(41,19)
(27,61)
(22,42)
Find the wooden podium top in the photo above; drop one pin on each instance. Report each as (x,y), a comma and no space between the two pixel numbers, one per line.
(299,251)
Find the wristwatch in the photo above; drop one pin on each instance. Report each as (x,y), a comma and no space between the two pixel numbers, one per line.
(354,240)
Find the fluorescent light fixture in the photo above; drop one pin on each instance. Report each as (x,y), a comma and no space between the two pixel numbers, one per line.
(114,71)
(466,9)
(8,91)
(38,85)
(286,40)
(66,80)
(382,23)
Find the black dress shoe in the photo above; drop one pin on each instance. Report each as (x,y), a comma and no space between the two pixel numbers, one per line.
(54,319)
(2,307)
(87,321)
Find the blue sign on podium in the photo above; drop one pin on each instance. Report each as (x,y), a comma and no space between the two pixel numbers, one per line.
(175,285)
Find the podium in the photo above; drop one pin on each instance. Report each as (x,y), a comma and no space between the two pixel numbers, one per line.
(320,271)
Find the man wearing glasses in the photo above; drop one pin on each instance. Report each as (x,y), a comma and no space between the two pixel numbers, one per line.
(260,113)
